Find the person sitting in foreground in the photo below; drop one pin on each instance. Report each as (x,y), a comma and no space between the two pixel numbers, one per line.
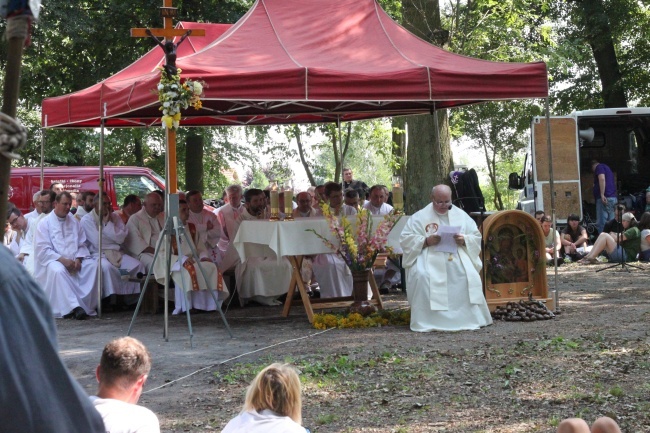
(552,240)
(122,373)
(539,215)
(620,247)
(614,225)
(644,228)
(574,238)
(577,425)
(273,403)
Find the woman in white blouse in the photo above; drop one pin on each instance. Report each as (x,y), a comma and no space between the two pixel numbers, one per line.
(273,403)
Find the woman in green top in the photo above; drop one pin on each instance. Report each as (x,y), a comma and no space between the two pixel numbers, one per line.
(630,243)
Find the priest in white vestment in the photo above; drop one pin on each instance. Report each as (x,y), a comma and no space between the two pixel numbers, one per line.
(189,281)
(228,216)
(44,206)
(144,228)
(60,249)
(377,204)
(332,273)
(443,288)
(261,279)
(19,224)
(206,223)
(114,261)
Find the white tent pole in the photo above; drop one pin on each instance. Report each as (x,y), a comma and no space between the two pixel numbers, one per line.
(43,154)
(100,280)
(551,193)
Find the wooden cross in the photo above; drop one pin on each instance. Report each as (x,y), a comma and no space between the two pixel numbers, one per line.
(168,32)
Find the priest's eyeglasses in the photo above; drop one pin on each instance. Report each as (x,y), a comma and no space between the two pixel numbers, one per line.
(443,203)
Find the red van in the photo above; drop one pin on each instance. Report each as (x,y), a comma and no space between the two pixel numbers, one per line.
(119,182)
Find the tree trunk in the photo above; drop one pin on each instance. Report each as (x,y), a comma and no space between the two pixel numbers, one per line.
(301,152)
(338,168)
(138,152)
(594,22)
(399,144)
(194,162)
(429,158)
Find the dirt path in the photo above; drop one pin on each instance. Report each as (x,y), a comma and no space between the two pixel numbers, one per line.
(592,360)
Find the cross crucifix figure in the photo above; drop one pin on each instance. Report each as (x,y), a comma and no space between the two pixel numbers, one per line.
(170,52)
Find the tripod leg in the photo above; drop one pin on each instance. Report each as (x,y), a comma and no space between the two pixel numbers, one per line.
(207,283)
(186,293)
(146,283)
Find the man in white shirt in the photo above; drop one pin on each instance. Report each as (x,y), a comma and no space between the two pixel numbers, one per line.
(113,259)
(377,204)
(304,209)
(205,222)
(122,373)
(35,202)
(19,225)
(60,249)
(228,216)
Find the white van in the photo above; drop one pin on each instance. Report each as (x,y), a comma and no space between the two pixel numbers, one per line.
(618,137)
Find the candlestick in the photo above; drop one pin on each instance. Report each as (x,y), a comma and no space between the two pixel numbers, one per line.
(288,202)
(275,202)
(398,194)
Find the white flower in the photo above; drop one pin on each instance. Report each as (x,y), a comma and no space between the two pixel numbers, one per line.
(198,88)
(166,104)
(160,87)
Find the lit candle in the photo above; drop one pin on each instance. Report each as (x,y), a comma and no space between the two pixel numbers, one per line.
(275,201)
(398,193)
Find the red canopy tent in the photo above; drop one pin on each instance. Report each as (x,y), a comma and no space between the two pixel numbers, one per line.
(296,61)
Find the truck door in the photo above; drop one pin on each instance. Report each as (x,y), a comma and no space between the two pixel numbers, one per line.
(566,166)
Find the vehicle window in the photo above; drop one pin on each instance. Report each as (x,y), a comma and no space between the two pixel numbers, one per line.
(138,185)
(633,152)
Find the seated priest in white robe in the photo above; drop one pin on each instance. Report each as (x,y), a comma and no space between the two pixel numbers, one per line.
(206,223)
(228,217)
(330,270)
(443,287)
(19,225)
(60,249)
(144,228)
(191,284)
(260,279)
(114,261)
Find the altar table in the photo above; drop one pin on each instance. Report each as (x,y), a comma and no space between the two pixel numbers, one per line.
(291,240)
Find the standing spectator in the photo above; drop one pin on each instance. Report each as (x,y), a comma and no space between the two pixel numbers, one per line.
(604,193)
(273,403)
(360,186)
(122,373)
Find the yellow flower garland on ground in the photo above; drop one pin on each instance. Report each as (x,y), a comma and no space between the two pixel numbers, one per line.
(356,320)
(174,97)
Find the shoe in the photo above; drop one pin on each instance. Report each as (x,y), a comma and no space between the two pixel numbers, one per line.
(70,315)
(588,261)
(316,293)
(80,314)
(384,289)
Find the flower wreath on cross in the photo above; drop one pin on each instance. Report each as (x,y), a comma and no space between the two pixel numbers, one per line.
(174,97)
